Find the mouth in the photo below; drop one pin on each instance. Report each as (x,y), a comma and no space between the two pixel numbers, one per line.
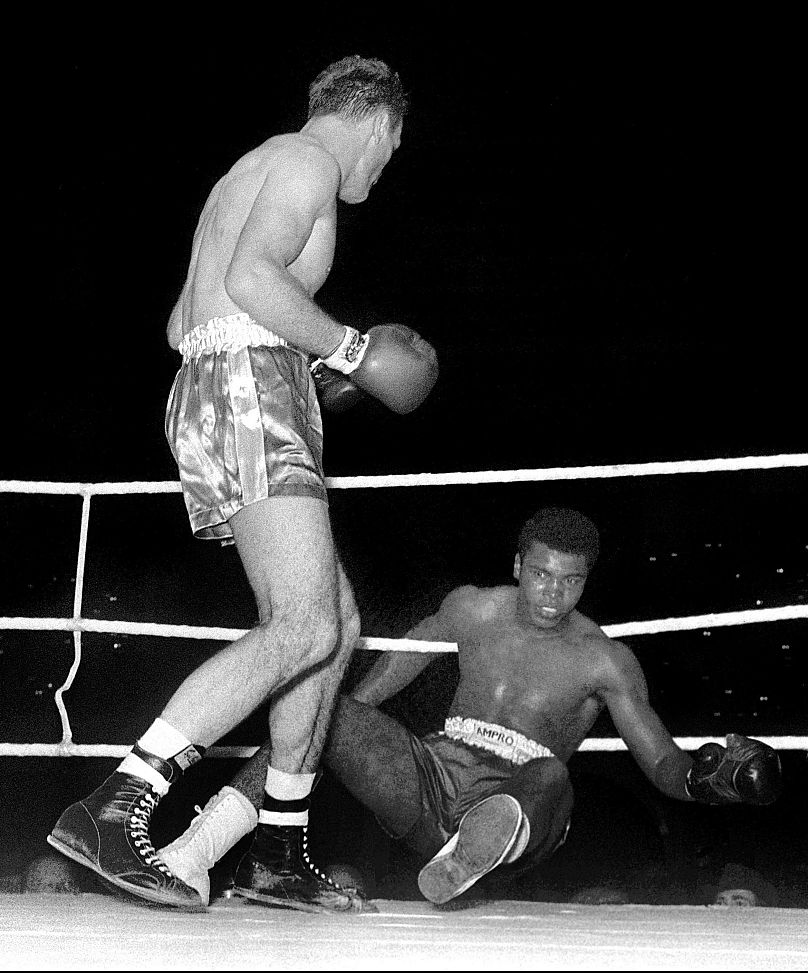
(547,612)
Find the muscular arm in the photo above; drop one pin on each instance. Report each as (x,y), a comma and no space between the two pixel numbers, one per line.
(300,188)
(625,693)
(396,670)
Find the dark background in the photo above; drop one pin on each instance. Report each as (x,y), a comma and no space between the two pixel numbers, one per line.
(600,242)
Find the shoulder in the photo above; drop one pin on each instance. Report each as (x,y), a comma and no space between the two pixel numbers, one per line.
(299,159)
(472,603)
(615,665)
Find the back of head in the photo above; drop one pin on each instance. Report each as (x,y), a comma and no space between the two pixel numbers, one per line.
(561,529)
(356,87)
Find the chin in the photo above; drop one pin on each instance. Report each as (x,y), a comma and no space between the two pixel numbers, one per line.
(352,198)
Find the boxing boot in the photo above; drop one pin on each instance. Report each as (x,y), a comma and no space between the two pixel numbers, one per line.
(108,832)
(226,819)
(483,840)
(277,871)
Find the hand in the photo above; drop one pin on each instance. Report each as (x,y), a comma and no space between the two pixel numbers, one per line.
(746,771)
(391,362)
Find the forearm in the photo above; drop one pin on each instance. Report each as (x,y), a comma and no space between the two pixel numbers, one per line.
(669,775)
(278,301)
(391,673)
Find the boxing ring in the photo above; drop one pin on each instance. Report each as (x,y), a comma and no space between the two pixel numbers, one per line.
(59,930)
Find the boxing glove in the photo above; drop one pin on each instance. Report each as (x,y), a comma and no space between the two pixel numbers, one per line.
(335,392)
(746,771)
(391,362)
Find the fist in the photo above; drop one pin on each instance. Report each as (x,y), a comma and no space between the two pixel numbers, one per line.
(399,367)
(747,771)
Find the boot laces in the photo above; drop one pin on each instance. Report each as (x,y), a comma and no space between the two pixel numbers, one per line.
(139,829)
(310,864)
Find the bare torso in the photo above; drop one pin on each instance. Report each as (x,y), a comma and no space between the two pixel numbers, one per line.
(542,683)
(223,218)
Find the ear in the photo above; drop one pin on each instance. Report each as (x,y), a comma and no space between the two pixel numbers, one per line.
(381,124)
(517,567)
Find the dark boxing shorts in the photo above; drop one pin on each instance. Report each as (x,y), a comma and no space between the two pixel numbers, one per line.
(243,423)
(458,767)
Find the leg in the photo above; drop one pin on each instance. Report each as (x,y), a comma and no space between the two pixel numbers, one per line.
(527,814)
(370,754)
(543,790)
(299,719)
(301,712)
(277,869)
(286,548)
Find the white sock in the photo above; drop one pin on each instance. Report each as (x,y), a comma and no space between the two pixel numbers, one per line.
(164,742)
(288,787)
(284,795)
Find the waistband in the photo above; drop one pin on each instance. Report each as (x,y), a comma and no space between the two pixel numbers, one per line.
(232,333)
(496,739)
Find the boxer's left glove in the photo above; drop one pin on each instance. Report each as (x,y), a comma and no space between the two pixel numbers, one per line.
(746,771)
(335,392)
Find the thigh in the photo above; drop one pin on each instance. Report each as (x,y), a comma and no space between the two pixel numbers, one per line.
(544,791)
(287,550)
(371,754)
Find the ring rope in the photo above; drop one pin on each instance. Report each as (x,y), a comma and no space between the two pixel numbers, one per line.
(734,464)
(590,745)
(77,625)
(752,616)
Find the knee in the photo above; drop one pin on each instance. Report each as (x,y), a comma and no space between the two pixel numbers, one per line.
(548,775)
(306,637)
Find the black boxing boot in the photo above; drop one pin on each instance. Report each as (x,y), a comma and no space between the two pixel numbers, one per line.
(108,832)
(277,871)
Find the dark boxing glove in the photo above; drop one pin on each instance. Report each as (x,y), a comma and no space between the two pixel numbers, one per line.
(391,362)
(335,392)
(746,771)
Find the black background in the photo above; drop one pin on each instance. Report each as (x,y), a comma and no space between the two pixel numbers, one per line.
(599,238)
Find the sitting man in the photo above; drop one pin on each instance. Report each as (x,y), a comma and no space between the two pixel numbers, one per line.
(493,785)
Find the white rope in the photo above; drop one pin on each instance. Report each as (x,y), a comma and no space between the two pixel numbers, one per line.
(754,616)
(592,745)
(733,464)
(77,625)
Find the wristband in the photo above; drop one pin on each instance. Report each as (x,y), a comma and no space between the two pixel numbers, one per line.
(348,354)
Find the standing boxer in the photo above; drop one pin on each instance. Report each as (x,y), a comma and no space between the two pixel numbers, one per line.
(243,422)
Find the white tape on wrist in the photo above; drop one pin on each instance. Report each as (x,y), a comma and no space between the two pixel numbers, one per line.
(348,355)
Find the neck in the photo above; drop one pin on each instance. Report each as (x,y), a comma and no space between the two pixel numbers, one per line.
(342,139)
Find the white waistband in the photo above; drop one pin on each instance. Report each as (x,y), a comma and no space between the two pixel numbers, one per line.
(232,333)
(496,739)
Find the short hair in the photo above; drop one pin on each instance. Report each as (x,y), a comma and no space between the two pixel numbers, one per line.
(356,87)
(561,529)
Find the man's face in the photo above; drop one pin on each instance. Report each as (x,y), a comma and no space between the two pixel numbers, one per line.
(550,584)
(739,898)
(384,138)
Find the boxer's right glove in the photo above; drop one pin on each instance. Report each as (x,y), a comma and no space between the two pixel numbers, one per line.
(391,362)
(745,771)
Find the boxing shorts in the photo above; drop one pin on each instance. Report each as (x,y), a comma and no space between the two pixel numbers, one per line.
(243,423)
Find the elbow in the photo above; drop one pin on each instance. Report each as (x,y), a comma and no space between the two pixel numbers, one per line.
(249,282)
(240,284)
